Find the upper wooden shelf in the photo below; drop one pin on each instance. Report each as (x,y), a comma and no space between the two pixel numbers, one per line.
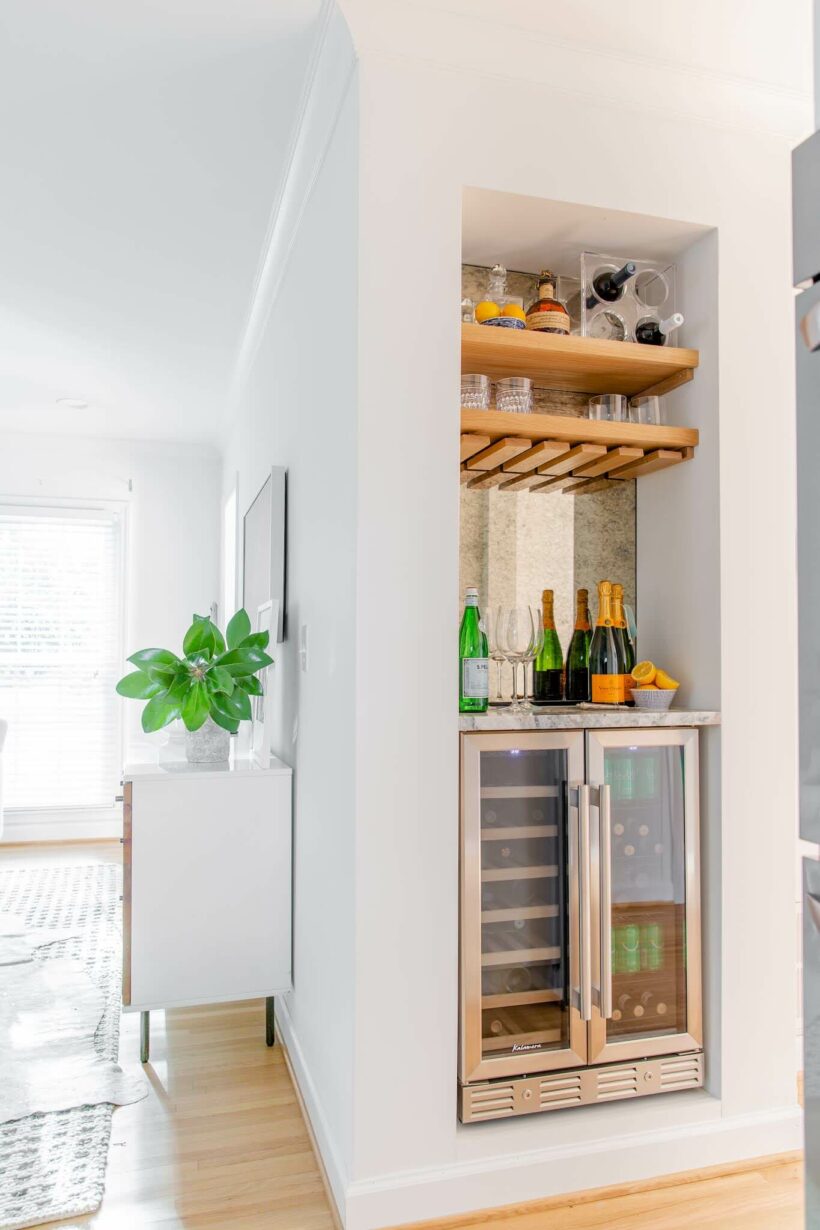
(578,364)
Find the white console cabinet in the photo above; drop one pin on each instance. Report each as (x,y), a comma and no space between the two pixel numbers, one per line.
(206,885)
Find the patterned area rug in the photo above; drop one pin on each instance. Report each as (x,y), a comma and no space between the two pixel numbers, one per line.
(53,1164)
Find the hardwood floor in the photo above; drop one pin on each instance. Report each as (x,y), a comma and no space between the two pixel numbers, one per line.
(220,1141)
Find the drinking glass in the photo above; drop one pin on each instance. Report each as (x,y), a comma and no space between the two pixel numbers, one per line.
(609,406)
(517,635)
(496,652)
(533,650)
(513,394)
(475,391)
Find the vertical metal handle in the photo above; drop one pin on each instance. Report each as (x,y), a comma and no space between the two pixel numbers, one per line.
(584,904)
(605,868)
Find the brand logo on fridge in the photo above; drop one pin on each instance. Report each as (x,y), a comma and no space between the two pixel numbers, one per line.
(527,1046)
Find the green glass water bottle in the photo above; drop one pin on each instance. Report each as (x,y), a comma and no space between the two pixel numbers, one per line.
(474,663)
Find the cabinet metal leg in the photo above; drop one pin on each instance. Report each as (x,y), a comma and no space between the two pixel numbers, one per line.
(270,1034)
(145,1036)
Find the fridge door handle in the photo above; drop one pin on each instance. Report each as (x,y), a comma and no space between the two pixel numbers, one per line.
(605,909)
(813,904)
(584,904)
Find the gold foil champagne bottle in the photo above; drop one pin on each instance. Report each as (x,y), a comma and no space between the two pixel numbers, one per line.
(606,663)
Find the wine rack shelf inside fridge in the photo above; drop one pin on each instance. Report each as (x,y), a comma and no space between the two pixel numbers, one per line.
(580,912)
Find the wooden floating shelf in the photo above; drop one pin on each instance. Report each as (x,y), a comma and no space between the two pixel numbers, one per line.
(552,453)
(575,364)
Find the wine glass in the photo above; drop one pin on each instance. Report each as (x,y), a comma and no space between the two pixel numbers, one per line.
(517,634)
(533,650)
(496,652)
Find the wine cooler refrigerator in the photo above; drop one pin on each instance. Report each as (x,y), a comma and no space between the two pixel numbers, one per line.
(580,919)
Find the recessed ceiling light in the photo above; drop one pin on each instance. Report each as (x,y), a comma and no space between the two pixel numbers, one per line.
(72,403)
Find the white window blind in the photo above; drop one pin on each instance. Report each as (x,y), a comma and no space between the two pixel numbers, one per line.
(60,655)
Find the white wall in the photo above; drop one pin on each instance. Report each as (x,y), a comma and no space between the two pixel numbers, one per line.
(296,407)
(171,493)
(711,150)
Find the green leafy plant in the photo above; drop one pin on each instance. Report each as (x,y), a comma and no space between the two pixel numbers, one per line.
(215,677)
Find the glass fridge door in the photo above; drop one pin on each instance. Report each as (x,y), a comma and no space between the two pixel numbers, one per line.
(524,902)
(643,788)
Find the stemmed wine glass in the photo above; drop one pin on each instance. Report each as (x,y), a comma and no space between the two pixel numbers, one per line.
(517,633)
(494,619)
(535,646)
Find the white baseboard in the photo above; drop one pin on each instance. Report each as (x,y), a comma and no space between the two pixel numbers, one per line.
(71,824)
(334,1171)
(467,1187)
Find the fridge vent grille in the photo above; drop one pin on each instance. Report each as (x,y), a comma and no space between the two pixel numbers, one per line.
(682,1072)
(559,1091)
(489,1102)
(621,1082)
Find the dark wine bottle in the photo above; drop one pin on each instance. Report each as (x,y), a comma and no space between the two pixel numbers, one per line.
(609,285)
(651,332)
(578,652)
(606,663)
(548,672)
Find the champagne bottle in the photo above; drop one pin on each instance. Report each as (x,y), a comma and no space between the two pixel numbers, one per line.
(606,663)
(621,629)
(474,676)
(609,286)
(578,653)
(548,673)
(653,332)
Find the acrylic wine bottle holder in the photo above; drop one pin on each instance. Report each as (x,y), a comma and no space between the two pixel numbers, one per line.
(648,295)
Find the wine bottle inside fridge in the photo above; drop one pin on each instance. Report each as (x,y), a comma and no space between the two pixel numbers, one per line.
(606,660)
(548,672)
(474,663)
(608,286)
(578,652)
(652,332)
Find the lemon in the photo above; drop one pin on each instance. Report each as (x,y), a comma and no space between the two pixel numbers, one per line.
(646,687)
(662,680)
(512,309)
(644,672)
(485,310)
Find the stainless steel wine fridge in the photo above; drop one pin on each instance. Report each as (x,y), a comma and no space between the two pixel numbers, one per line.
(580,919)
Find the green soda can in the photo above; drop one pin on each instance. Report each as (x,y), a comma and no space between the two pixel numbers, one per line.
(631,949)
(652,946)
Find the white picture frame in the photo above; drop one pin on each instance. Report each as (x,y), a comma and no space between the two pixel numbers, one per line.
(267,617)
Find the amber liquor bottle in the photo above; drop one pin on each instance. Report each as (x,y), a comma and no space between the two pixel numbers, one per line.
(547,314)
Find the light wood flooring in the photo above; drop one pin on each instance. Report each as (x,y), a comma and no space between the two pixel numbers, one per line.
(220,1141)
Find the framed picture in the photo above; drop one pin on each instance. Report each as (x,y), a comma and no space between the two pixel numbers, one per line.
(267,614)
(264,539)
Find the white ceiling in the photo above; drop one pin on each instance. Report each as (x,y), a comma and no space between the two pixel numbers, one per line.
(141,152)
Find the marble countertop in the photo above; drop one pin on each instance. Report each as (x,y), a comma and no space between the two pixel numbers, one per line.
(565,718)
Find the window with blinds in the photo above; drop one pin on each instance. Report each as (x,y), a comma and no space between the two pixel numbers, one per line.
(61,581)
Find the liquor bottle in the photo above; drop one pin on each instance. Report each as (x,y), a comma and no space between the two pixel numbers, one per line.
(548,672)
(606,663)
(578,653)
(547,314)
(621,630)
(474,676)
(652,332)
(609,286)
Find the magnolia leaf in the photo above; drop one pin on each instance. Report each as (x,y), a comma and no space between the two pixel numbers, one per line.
(138,686)
(219,640)
(237,705)
(200,637)
(162,674)
(158,713)
(153,657)
(221,716)
(249,684)
(256,640)
(238,628)
(220,680)
(244,661)
(196,706)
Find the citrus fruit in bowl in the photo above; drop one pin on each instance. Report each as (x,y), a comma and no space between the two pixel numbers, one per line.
(652,688)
